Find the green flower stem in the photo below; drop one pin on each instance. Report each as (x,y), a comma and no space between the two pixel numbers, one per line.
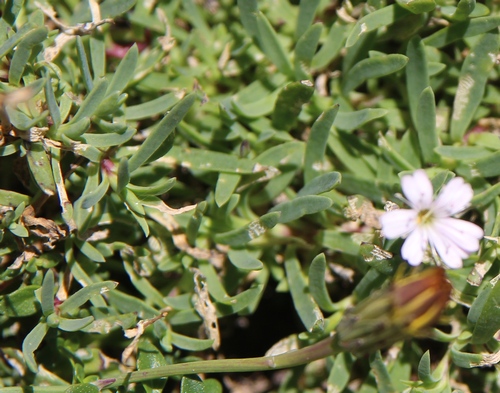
(298,357)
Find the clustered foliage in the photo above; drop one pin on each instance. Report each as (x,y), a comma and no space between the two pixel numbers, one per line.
(175,170)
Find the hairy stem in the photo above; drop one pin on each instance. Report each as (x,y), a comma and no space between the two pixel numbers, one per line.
(294,358)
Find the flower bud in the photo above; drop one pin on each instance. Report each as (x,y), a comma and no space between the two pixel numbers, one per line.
(403,310)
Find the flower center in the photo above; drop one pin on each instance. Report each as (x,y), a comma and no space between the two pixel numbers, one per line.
(425,217)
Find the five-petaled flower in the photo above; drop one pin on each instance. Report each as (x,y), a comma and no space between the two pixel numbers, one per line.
(429,221)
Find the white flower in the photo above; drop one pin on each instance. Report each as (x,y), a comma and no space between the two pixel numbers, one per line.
(429,221)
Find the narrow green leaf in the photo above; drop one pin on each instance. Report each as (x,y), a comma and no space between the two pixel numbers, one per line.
(93,197)
(383,17)
(125,71)
(457,31)
(82,388)
(317,283)
(241,236)
(74,325)
(374,67)
(316,144)
(109,139)
(47,293)
(320,184)
(472,83)
(350,121)
(417,77)
(464,359)
(257,108)
(21,303)
(306,307)
(207,160)
(54,111)
(340,374)
(424,369)
(12,41)
(11,198)
(426,125)
(11,11)
(18,230)
(123,174)
(111,104)
(289,103)
(307,11)
(195,17)
(192,384)
(97,55)
(23,53)
(161,132)
(463,152)
(141,283)
(305,50)
(150,357)
(74,129)
(159,188)
(83,295)
(84,64)
(245,301)
(248,11)
(484,314)
(270,45)
(135,204)
(90,251)
(301,206)
(331,47)
(11,148)
(190,343)
(338,241)
(379,369)
(31,343)
(417,6)
(462,11)
(113,8)
(484,198)
(243,260)
(194,222)
(92,101)
(394,156)
(41,168)
(225,187)
(153,107)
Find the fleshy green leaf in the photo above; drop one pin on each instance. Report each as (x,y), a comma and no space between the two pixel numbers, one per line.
(289,103)
(301,206)
(472,82)
(457,31)
(306,307)
(31,343)
(243,260)
(317,283)
(83,295)
(40,167)
(374,67)
(161,132)
(241,236)
(316,144)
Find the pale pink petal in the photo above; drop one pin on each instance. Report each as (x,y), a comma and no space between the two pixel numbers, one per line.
(417,188)
(398,223)
(453,198)
(448,251)
(464,234)
(413,249)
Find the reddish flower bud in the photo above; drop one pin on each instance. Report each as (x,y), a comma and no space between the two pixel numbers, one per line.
(405,309)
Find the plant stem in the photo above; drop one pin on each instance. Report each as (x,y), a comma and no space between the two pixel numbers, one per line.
(294,358)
